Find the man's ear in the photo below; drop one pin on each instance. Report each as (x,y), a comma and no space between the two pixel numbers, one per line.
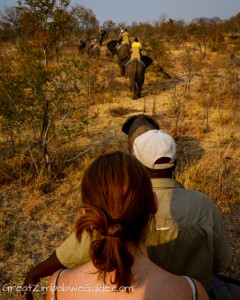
(155,203)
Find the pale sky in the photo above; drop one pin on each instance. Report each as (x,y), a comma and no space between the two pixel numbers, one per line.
(128,11)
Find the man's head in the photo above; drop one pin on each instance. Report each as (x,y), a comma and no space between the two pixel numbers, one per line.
(156,150)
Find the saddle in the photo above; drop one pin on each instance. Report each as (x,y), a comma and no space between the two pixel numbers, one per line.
(133,60)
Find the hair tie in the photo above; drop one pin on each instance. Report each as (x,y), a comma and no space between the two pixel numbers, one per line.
(112,235)
(116,221)
(104,233)
(111,222)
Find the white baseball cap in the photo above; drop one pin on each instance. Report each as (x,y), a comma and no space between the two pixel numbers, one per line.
(152,145)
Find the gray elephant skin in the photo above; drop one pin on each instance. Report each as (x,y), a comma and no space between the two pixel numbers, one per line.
(122,53)
(135,71)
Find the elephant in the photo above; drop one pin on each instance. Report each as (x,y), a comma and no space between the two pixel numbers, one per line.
(122,52)
(112,46)
(103,35)
(91,51)
(135,71)
(136,125)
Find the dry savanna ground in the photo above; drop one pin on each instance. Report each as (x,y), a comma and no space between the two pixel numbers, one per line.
(199,105)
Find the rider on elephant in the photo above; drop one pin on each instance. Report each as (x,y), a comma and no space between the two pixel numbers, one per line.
(121,32)
(94,43)
(125,39)
(136,49)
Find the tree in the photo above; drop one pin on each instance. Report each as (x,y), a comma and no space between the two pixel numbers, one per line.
(203,30)
(85,20)
(44,22)
(108,25)
(232,25)
(37,104)
(161,20)
(10,22)
(24,101)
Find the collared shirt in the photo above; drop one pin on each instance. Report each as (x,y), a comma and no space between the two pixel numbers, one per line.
(125,38)
(190,237)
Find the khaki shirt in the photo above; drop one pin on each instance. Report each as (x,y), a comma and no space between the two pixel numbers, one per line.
(190,237)
(125,38)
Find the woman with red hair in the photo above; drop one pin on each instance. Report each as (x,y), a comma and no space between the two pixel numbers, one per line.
(118,206)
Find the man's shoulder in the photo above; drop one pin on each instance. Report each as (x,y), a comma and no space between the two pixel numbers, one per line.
(196,196)
(173,183)
(197,193)
(176,190)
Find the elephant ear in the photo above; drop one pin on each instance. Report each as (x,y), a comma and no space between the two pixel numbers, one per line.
(128,123)
(112,45)
(152,121)
(146,60)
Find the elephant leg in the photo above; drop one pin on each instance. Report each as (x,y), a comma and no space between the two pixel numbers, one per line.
(140,85)
(139,90)
(134,90)
(122,68)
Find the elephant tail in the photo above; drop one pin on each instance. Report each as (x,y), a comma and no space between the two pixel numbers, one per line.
(133,63)
(135,69)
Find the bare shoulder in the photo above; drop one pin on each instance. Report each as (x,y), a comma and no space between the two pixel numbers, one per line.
(51,284)
(202,294)
(82,274)
(174,287)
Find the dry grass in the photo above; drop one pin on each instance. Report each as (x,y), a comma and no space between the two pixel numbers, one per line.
(199,106)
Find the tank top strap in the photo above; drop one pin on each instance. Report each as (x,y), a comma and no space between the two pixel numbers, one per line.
(55,284)
(192,286)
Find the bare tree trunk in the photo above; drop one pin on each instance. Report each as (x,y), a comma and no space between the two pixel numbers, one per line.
(44,137)
(45,55)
